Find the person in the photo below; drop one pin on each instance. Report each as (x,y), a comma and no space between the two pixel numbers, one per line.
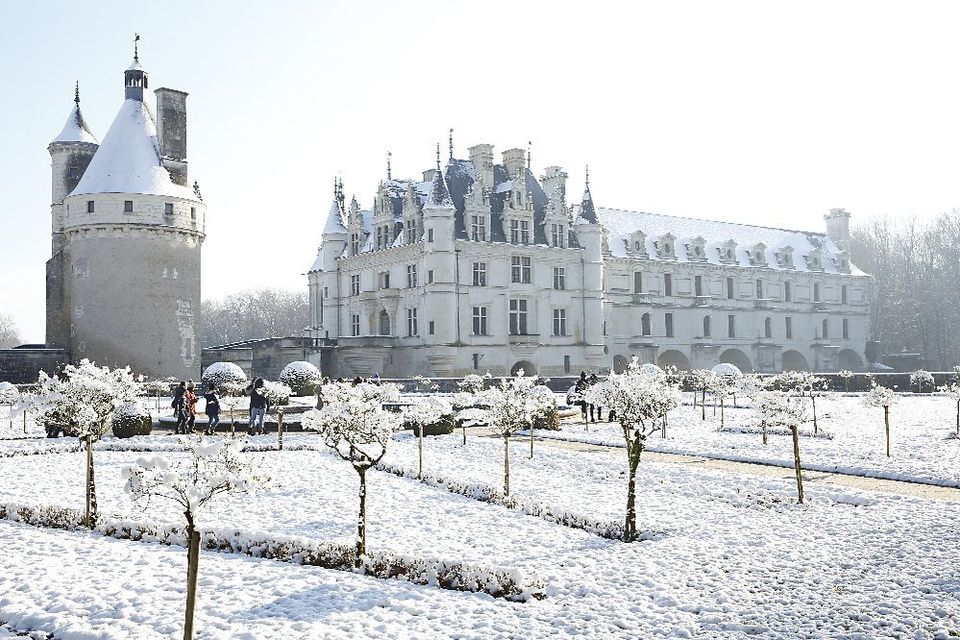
(592,381)
(212,409)
(179,408)
(580,389)
(191,401)
(258,406)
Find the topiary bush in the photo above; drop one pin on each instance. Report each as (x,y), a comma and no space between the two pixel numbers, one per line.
(548,419)
(130,420)
(443,426)
(302,377)
(220,373)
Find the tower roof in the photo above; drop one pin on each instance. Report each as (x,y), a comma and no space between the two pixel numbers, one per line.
(76,128)
(128,160)
(587,211)
(438,197)
(334,222)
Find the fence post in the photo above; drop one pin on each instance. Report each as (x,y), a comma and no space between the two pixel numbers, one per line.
(193,560)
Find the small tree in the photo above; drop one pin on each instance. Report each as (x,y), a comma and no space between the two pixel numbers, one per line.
(879,396)
(702,380)
(302,377)
(157,388)
(720,387)
(421,413)
(922,381)
(846,375)
(952,391)
(510,408)
(639,402)
(213,469)
(778,409)
(354,423)
(9,395)
(232,397)
(83,401)
(803,383)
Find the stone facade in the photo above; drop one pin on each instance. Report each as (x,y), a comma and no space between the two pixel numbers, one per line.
(483,267)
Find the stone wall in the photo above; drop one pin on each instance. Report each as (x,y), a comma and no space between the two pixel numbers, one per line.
(21,366)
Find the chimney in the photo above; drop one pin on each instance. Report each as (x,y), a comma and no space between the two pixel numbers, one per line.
(481,156)
(514,160)
(554,181)
(838,227)
(172,132)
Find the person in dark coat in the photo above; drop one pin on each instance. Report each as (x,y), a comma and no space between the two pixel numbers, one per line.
(212,409)
(594,380)
(580,389)
(258,406)
(179,405)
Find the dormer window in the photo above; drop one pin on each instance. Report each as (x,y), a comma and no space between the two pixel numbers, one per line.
(89,206)
(785,257)
(842,262)
(815,260)
(758,254)
(665,246)
(168,208)
(695,249)
(728,252)
(637,244)
(128,206)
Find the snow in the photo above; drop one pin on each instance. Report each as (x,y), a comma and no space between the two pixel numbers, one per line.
(220,372)
(76,129)
(334,224)
(727,370)
(728,555)
(128,160)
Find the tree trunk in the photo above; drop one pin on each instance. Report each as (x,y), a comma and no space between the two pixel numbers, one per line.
(158,405)
(463,430)
(91,502)
(796,462)
(695,394)
(813,400)
(663,427)
(886,426)
(233,425)
(735,401)
(193,568)
(958,419)
(420,452)
(280,430)
(721,412)
(764,426)
(531,441)
(703,404)
(506,465)
(633,461)
(362,520)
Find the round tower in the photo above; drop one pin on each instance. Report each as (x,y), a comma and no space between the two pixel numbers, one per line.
(133,230)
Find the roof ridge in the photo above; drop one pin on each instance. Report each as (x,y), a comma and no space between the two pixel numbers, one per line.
(739,224)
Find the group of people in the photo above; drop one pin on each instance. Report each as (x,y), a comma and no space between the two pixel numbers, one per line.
(185,407)
(580,389)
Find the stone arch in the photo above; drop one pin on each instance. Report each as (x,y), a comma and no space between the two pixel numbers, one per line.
(528,367)
(794,361)
(675,358)
(737,358)
(383,323)
(620,363)
(850,360)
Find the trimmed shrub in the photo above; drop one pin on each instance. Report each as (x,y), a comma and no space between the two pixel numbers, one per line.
(131,420)
(220,373)
(277,393)
(443,426)
(302,377)
(548,419)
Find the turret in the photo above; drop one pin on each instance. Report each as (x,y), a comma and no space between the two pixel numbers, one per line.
(590,236)
(172,132)
(838,227)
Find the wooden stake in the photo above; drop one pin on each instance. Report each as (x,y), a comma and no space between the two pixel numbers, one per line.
(193,562)
(796,462)
(420,452)
(506,465)
(531,441)
(87,519)
(886,424)
(280,430)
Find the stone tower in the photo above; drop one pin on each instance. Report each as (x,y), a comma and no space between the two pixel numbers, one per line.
(124,280)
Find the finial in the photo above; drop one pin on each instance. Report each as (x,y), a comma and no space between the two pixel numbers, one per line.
(529,145)
(451,144)
(388,165)
(438,156)
(76,93)
(588,178)
(136,53)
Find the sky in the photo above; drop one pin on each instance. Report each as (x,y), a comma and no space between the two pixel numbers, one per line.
(755,112)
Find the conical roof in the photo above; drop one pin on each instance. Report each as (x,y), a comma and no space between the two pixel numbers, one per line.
(76,129)
(587,211)
(438,197)
(334,222)
(128,160)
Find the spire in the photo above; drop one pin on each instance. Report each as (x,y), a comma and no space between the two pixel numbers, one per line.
(388,165)
(529,152)
(135,78)
(438,197)
(76,128)
(438,156)
(451,144)
(136,53)
(76,94)
(587,211)
(335,217)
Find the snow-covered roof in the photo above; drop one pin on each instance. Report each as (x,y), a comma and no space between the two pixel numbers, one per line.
(438,197)
(334,222)
(76,129)
(128,160)
(620,224)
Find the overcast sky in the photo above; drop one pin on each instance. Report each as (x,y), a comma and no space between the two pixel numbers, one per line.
(756,112)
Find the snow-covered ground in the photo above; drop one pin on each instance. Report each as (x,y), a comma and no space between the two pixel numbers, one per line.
(731,555)
(922,429)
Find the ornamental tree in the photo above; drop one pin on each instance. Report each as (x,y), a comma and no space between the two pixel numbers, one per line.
(880,396)
(510,408)
(778,409)
(639,402)
(922,380)
(82,401)
(803,383)
(421,413)
(846,375)
(302,377)
(214,468)
(354,423)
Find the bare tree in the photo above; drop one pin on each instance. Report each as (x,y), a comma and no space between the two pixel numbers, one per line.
(249,315)
(9,335)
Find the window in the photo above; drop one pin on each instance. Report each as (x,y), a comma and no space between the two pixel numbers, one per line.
(429,235)
(412,323)
(168,208)
(128,206)
(787,293)
(430,276)
(638,282)
(409,231)
(767,328)
(788,328)
(524,232)
(479,321)
(384,280)
(354,244)
(384,323)
(476,361)
(193,213)
(730,289)
(559,322)
(379,237)
(432,326)
(667,284)
(411,276)
(816,292)
(479,274)
(668,324)
(843,294)
(731,327)
(698,286)
(825,329)
(515,232)
(478,228)
(706,326)
(645,324)
(89,206)
(559,278)
(759,289)
(355,285)
(73,173)
(520,269)
(518,317)
(556,235)
(846,329)
(566,364)
(326,292)
(355,324)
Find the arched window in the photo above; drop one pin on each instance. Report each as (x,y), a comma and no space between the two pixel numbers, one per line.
(384,323)
(645,324)
(706,326)
(767,327)
(826,329)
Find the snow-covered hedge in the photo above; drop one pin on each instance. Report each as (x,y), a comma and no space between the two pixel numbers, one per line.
(922,381)
(302,377)
(9,394)
(727,370)
(131,419)
(498,582)
(221,373)
(276,393)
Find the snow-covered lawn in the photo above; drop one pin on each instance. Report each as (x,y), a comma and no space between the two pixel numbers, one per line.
(922,428)
(731,555)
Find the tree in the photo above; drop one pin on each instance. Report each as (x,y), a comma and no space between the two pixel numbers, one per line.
(214,468)
(803,383)
(846,375)
(952,391)
(354,423)
(639,401)
(421,413)
(9,335)
(82,402)
(922,380)
(778,409)
(249,315)
(879,396)
(510,408)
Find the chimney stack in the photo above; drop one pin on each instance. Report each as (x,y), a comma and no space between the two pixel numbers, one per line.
(172,132)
